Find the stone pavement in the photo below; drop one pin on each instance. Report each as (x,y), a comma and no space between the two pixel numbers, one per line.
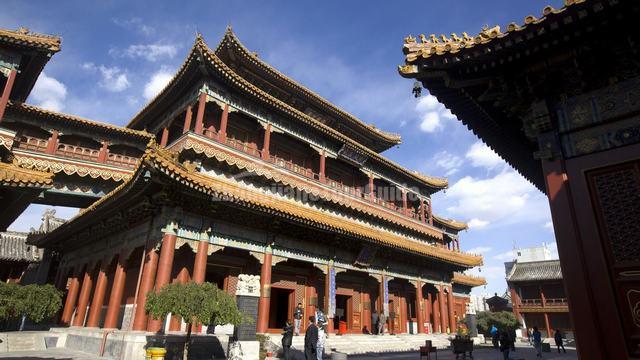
(50,354)
(524,352)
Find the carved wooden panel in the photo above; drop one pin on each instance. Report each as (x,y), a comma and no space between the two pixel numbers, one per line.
(615,192)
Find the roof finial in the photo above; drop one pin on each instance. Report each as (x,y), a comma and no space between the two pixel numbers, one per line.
(229,30)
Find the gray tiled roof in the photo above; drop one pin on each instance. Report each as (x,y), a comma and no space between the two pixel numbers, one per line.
(13,247)
(535,270)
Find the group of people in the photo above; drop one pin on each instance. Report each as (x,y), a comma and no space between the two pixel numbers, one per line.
(314,337)
(504,340)
(377,322)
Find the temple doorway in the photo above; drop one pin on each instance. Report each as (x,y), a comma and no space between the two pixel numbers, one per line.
(344,304)
(281,307)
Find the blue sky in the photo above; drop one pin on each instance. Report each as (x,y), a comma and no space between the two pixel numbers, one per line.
(117,54)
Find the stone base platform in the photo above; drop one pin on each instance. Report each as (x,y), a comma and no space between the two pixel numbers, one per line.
(130,345)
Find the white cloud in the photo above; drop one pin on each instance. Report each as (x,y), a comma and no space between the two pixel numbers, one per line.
(505,256)
(113,78)
(150,52)
(158,81)
(482,156)
(432,114)
(505,198)
(477,223)
(447,161)
(489,272)
(549,226)
(479,250)
(49,93)
(135,23)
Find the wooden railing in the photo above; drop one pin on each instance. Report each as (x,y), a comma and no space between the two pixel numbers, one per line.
(547,302)
(76,152)
(289,165)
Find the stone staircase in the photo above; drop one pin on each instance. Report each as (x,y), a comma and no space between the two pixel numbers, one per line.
(362,344)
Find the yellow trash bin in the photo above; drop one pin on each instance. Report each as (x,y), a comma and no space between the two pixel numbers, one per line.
(155,353)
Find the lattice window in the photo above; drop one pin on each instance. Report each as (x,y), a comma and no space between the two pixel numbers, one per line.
(618,193)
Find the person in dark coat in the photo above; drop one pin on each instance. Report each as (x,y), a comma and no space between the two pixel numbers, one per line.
(505,344)
(559,343)
(374,322)
(513,336)
(311,340)
(287,336)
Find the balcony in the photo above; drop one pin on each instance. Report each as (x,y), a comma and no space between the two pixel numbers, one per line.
(76,152)
(290,166)
(548,305)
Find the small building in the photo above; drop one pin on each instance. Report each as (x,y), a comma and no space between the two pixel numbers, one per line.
(498,303)
(538,296)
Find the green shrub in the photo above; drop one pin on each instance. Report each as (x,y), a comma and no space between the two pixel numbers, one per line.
(35,302)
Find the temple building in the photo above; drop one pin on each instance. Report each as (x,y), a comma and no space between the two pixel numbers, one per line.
(557,96)
(233,169)
(538,296)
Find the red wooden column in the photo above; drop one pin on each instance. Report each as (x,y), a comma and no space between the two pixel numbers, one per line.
(95,310)
(419,307)
(405,210)
(146,284)
(383,303)
(371,193)
(202,102)
(72,296)
(436,312)
(430,213)
(546,323)
(443,309)
(428,310)
(200,263)
(224,119)
(83,299)
(104,152)
(183,277)
(265,293)
(165,136)
(422,210)
(117,291)
(452,317)
(515,299)
(323,161)
(266,142)
(163,275)
(327,296)
(4,100)
(187,120)
(52,144)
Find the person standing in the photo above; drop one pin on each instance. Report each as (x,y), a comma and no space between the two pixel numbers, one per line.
(311,340)
(374,322)
(537,341)
(505,344)
(559,343)
(381,320)
(298,314)
(322,337)
(495,337)
(287,337)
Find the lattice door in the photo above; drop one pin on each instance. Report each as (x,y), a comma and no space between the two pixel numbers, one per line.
(615,192)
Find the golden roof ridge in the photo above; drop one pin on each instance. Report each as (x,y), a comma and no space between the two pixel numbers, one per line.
(466,279)
(12,174)
(229,35)
(24,36)
(45,112)
(436,46)
(454,224)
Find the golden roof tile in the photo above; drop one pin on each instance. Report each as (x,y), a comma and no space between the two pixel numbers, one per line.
(165,161)
(201,47)
(433,46)
(232,40)
(13,175)
(35,110)
(25,37)
(469,280)
(453,224)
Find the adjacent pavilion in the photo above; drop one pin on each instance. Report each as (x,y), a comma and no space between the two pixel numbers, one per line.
(558,97)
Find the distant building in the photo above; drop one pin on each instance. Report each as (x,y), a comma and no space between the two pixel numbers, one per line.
(498,303)
(537,291)
(18,260)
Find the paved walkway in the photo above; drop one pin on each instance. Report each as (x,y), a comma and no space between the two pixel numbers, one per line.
(481,353)
(53,354)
